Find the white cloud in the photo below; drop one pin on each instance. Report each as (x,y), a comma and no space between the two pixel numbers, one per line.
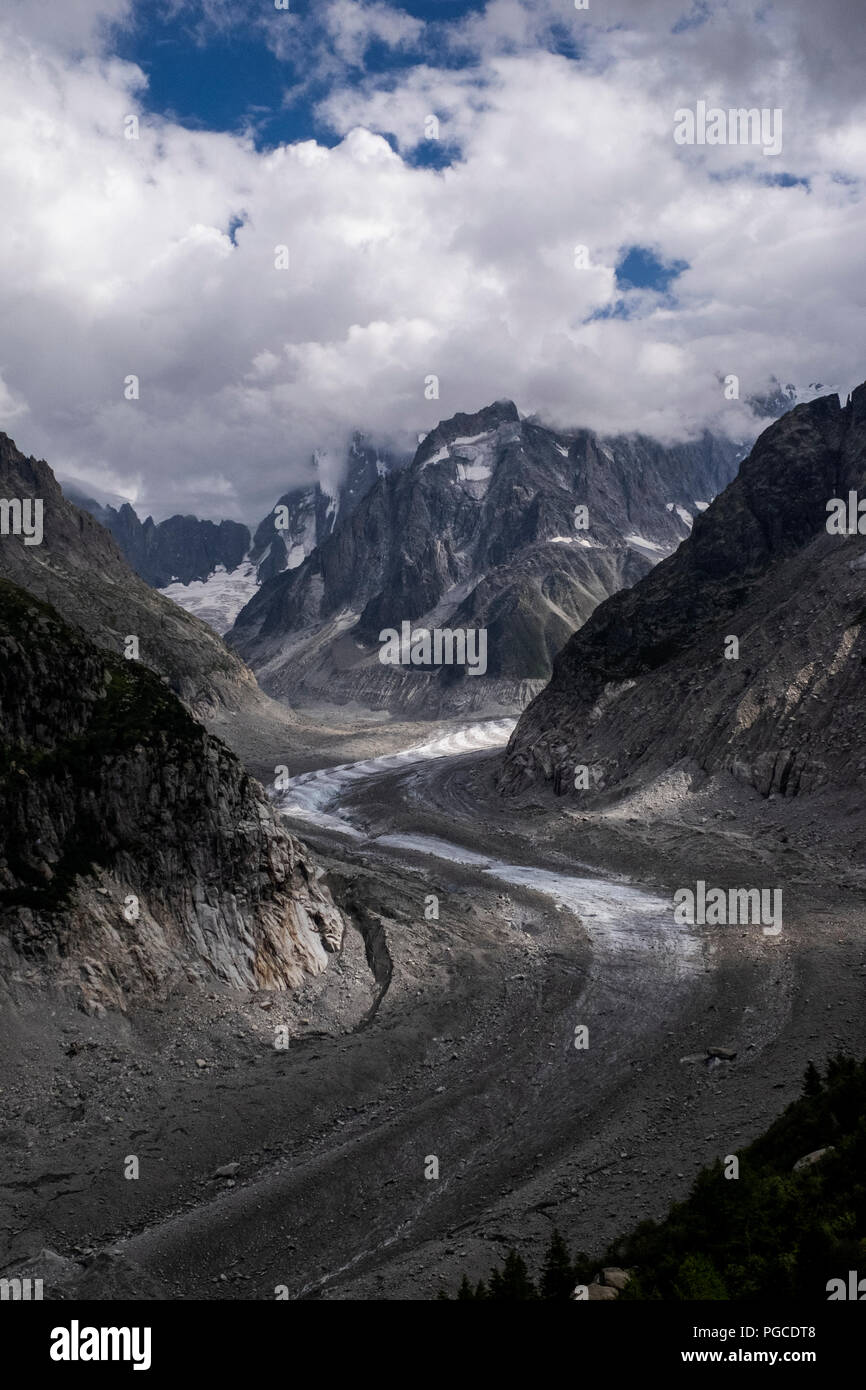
(116,257)
(12,407)
(66,24)
(352,27)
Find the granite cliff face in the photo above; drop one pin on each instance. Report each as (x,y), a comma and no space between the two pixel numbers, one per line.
(79,569)
(480,531)
(180,549)
(135,851)
(653,680)
(187,550)
(311,512)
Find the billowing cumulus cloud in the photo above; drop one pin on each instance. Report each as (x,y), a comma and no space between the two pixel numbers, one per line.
(160,257)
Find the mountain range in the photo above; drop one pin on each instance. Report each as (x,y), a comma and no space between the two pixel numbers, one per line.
(147,880)
(212,569)
(753,632)
(180,549)
(498,523)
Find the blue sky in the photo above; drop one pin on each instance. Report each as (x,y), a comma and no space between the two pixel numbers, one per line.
(230,79)
(289,251)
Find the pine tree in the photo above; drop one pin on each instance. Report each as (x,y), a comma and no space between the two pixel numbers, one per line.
(812,1081)
(513,1284)
(557,1276)
(465,1290)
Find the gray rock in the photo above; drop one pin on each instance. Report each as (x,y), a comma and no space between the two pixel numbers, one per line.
(177,833)
(311,514)
(758,563)
(181,548)
(600,1293)
(811,1158)
(478,532)
(79,570)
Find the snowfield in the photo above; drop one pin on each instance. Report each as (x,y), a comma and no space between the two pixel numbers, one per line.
(218,599)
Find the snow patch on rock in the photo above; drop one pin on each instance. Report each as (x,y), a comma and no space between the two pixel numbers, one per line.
(218,599)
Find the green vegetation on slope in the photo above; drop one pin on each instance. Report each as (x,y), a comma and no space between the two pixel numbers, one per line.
(85,713)
(769,1235)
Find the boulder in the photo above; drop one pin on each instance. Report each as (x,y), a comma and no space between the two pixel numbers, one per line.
(814,1157)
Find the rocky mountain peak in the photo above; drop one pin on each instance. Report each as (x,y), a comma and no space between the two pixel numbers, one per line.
(180,549)
(498,524)
(464,427)
(78,568)
(752,631)
(135,851)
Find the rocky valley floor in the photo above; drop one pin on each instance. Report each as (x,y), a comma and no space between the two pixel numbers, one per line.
(307,1169)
